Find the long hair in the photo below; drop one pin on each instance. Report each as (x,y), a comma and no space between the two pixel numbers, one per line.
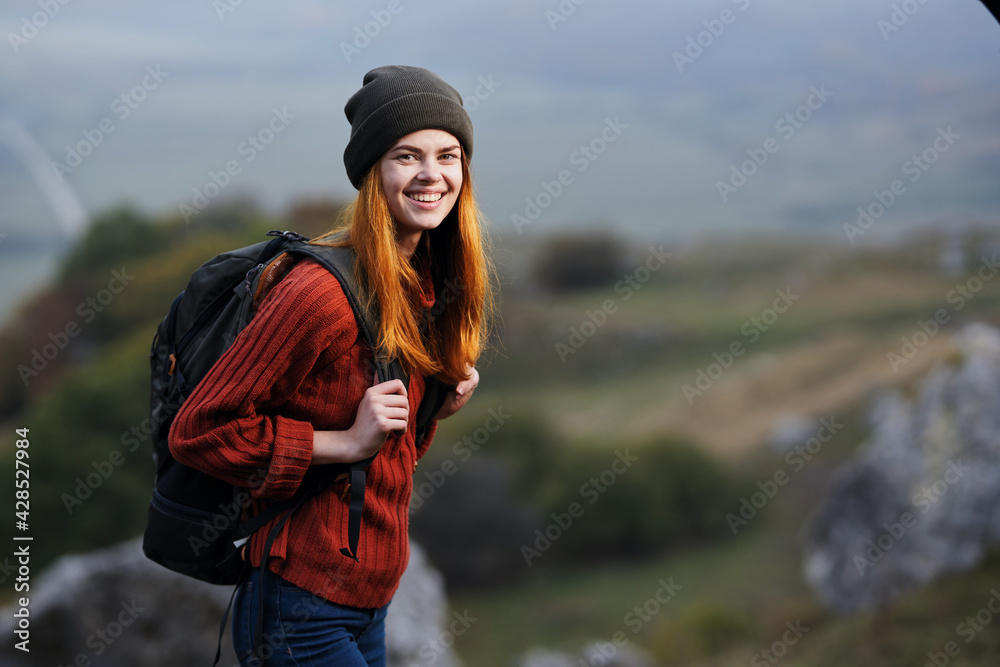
(452,335)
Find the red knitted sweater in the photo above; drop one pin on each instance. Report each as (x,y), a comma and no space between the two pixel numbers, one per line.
(301,365)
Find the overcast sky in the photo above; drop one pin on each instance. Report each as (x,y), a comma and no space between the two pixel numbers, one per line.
(668,96)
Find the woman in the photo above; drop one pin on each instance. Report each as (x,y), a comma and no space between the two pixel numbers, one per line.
(296,388)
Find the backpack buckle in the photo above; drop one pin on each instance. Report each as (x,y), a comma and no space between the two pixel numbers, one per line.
(288,235)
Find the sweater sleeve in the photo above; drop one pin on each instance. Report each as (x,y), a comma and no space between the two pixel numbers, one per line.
(231,426)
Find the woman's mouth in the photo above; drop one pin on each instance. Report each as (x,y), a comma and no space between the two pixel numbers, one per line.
(425,196)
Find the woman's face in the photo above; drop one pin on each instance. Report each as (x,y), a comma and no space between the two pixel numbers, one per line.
(421,177)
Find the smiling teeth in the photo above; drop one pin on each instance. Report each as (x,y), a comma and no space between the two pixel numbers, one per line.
(428,197)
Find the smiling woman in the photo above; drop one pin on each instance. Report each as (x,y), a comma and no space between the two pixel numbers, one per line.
(421,178)
(295,390)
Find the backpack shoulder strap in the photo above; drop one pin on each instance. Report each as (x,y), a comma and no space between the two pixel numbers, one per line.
(340,261)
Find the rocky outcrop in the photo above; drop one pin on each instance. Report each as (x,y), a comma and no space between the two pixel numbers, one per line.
(920,499)
(418,627)
(115,608)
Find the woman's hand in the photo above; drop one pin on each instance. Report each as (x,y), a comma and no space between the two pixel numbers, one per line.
(459,396)
(384,409)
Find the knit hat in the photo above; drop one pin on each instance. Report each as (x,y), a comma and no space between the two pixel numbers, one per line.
(394,101)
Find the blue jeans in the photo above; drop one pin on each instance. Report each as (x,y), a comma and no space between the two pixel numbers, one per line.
(301,628)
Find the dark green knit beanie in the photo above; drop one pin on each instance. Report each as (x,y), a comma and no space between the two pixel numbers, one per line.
(393,101)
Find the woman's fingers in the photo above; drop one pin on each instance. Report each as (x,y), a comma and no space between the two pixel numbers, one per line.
(390,387)
(459,396)
(389,406)
(393,418)
(468,385)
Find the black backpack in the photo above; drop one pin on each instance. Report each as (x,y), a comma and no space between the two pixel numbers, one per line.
(197,524)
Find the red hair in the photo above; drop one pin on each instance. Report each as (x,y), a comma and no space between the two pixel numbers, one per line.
(455,334)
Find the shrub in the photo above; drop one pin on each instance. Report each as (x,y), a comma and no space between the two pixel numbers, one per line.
(569,263)
(635,500)
(472,526)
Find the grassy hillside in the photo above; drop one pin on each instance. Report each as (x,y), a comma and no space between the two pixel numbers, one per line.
(733,600)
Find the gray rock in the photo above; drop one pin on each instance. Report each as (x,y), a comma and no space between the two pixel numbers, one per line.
(601,653)
(416,625)
(538,657)
(789,429)
(920,498)
(115,608)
